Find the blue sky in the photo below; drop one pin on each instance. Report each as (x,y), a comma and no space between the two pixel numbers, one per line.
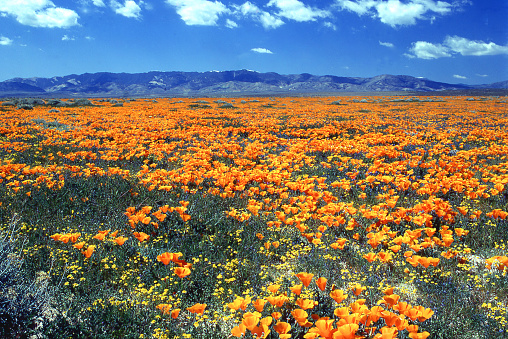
(454,41)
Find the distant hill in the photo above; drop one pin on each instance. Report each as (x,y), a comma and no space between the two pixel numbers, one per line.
(215,83)
(502,84)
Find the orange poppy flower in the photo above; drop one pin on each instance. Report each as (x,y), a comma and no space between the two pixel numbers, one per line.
(305,278)
(273,288)
(425,313)
(324,327)
(238,331)
(165,258)
(159,215)
(277,301)
(259,304)
(402,307)
(347,331)
(88,252)
(266,321)
(394,248)
(388,291)
(341,312)
(56,236)
(182,272)
(261,331)
(414,260)
(412,313)
(412,328)
(375,313)
(338,295)
(385,257)
(146,209)
(390,318)
(422,335)
(250,320)
(300,315)
(73,237)
(424,261)
(130,210)
(235,305)
(321,283)
(197,308)
(358,307)
(370,257)
(240,303)
(297,289)
(120,240)
(391,299)
(175,313)
(282,328)
(99,236)
(79,245)
(358,289)
(276,315)
(305,304)
(141,236)
(165,308)
(388,332)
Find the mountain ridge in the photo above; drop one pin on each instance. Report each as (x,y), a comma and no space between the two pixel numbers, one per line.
(219,83)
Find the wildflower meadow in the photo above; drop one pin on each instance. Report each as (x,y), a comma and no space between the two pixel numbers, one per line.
(298,217)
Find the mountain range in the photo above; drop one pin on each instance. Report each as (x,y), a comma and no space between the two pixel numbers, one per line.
(219,83)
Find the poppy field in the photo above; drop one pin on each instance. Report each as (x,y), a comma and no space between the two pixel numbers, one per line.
(314,217)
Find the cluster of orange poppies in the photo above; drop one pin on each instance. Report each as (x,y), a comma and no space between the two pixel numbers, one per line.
(183,269)
(160,214)
(389,178)
(351,318)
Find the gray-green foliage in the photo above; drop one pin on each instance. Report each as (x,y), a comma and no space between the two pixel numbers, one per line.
(21,299)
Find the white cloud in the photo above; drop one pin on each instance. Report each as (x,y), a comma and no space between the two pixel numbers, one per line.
(262,50)
(130,9)
(270,21)
(456,76)
(4,41)
(296,10)
(199,12)
(267,20)
(248,8)
(427,50)
(98,3)
(395,12)
(470,47)
(231,24)
(39,13)
(455,45)
(386,44)
(67,38)
(360,7)
(482,75)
